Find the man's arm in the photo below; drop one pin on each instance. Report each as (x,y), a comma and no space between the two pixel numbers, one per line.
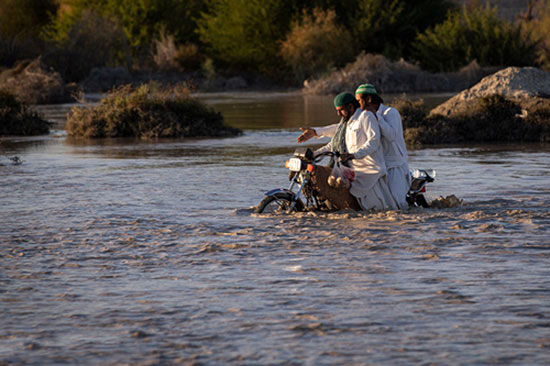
(327,131)
(309,132)
(389,124)
(370,125)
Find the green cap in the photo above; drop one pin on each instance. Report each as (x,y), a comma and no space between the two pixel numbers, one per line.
(366,89)
(343,98)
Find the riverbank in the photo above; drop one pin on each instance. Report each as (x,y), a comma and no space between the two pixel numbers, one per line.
(34,83)
(511,105)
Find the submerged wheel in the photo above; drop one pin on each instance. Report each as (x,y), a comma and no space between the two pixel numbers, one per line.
(278,203)
(421,201)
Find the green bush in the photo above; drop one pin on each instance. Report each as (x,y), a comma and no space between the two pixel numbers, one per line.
(141,21)
(538,29)
(316,44)
(25,17)
(389,27)
(92,41)
(21,23)
(246,34)
(147,112)
(17,119)
(473,33)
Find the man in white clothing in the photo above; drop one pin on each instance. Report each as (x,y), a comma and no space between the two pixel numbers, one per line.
(393,143)
(357,139)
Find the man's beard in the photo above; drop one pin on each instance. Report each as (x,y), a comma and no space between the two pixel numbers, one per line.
(345,119)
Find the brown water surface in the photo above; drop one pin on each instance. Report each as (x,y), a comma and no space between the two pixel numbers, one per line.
(130,252)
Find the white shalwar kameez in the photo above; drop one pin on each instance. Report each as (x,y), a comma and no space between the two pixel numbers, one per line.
(394,150)
(395,153)
(363,141)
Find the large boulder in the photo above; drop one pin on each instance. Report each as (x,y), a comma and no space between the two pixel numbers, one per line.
(520,84)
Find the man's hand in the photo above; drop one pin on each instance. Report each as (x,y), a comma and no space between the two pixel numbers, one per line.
(345,157)
(306,135)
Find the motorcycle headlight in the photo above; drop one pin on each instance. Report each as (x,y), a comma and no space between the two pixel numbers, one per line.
(295,164)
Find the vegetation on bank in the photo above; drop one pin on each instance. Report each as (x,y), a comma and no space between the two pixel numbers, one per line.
(286,40)
(16,119)
(474,33)
(34,83)
(491,118)
(148,111)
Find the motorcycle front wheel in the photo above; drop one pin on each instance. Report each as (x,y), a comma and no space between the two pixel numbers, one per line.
(421,201)
(278,203)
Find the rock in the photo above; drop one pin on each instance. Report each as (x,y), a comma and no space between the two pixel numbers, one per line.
(515,83)
(447,202)
(235,83)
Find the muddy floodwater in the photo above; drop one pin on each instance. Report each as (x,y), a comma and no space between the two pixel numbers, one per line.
(123,252)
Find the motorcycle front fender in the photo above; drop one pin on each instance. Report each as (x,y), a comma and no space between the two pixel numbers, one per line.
(273,192)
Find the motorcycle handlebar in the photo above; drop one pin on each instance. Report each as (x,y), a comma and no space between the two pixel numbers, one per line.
(320,156)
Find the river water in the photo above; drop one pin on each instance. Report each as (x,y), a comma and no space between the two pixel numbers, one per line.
(120,252)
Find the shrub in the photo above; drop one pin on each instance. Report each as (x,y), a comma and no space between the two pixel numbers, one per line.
(189,57)
(21,22)
(11,50)
(147,112)
(492,118)
(538,29)
(17,119)
(413,111)
(34,83)
(537,120)
(92,41)
(141,21)
(316,44)
(25,17)
(473,33)
(389,27)
(388,76)
(169,56)
(166,52)
(245,34)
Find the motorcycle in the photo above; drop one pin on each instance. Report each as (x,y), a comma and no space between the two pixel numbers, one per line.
(301,167)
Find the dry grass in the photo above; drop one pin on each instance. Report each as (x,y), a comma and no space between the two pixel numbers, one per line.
(393,77)
(166,52)
(33,83)
(316,44)
(148,111)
